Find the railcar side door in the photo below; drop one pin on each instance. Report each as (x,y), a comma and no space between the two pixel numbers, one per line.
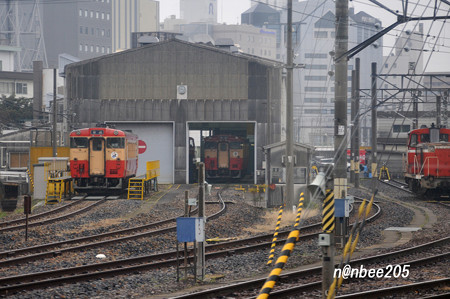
(224,155)
(96,156)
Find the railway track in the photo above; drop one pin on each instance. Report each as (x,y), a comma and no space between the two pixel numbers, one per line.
(155,261)
(293,283)
(41,215)
(54,219)
(397,185)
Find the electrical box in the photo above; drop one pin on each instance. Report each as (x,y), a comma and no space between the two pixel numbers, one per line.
(341,207)
(324,240)
(190,229)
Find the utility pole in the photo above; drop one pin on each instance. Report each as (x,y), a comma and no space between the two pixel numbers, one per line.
(374,125)
(55,153)
(356,123)
(200,265)
(289,114)
(438,112)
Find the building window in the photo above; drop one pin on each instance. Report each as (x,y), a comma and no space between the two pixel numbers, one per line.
(92,31)
(92,48)
(21,88)
(320,34)
(316,66)
(103,49)
(96,14)
(86,13)
(1,65)
(401,128)
(92,13)
(316,55)
(97,49)
(315,100)
(86,48)
(316,78)
(86,30)
(81,47)
(107,16)
(81,13)
(315,89)
(6,87)
(108,50)
(103,32)
(81,29)
(103,15)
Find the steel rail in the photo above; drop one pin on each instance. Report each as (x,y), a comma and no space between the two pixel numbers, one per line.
(256,283)
(21,280)
(40,215)
(51,220)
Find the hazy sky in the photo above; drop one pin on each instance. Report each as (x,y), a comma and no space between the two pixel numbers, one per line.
(229,11)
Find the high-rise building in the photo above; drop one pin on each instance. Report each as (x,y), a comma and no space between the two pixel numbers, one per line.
(83,29)
(313,46)
(194,11)
(132,16)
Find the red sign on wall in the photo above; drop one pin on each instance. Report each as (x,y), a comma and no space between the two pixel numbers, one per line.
(142,146)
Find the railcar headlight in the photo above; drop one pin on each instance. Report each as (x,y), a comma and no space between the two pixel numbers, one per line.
(78,132)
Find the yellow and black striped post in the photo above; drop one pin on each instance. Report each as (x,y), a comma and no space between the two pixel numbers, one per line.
(328,221)
(275,236)
(31,179)
(282,259)
(299,210)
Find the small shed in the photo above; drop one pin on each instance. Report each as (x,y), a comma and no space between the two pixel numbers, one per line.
(275,171)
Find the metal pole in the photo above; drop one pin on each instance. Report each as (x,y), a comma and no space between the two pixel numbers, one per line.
(438,111)
(54,115)
(356,123)
(289,115)
(353,154)
(200,262)
(374,124)
(416,111)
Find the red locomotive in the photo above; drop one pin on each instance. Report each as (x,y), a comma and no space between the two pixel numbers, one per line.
(428,162)
(225,156)
(102,159)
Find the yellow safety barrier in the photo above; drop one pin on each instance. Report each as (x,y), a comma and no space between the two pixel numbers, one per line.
(328,220)
(138,187)
(384,173)
(57,189)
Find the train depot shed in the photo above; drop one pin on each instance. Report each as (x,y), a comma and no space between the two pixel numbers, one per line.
(170,91)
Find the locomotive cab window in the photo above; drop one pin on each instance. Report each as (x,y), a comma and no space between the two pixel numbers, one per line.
(223,147)
(78,142)
(443,137)
(115,142)
(413,140)
(97,144)
(424,138)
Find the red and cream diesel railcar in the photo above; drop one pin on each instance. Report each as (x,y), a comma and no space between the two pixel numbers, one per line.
(225,156)
(428,162)
(102,159)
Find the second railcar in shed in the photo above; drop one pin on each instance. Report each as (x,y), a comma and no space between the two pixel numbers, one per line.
(102,159)
(225,156)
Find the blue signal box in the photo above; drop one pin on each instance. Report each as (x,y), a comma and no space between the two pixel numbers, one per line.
(190,229)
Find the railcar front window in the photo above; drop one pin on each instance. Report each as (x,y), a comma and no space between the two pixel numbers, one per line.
(210,145)
(97,144)
(78,142)
(223,147)
(115,142)
(235,145)
(443,137)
